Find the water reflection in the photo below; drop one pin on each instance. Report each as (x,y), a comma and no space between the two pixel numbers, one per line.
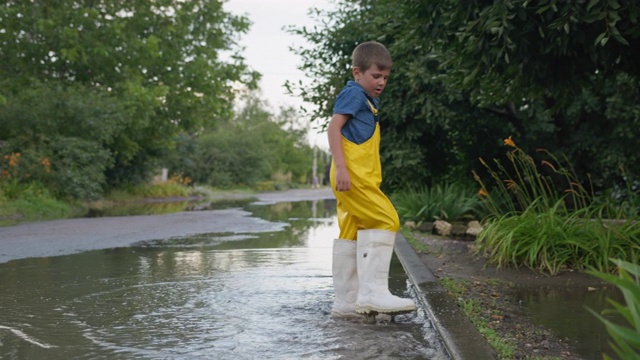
(220,295)
(563,310)
(149,207)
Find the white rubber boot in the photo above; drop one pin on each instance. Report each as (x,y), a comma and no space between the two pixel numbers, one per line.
(345,278)
(375,248)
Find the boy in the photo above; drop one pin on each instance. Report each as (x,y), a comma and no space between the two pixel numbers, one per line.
(361,268)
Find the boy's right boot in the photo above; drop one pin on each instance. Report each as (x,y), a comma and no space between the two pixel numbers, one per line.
(345,278)
(375,248)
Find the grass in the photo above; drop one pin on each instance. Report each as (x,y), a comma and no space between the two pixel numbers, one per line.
(541,217)
(31,202)
(553,240)
(34,209)
(147,191)
(480,314)
(535,224)
(415,243)
(475,312)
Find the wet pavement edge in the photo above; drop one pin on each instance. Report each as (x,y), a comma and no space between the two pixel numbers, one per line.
(461,338)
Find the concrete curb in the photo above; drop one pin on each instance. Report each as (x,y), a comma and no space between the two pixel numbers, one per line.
(461,338)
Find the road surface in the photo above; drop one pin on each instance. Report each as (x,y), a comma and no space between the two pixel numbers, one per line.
(63,237)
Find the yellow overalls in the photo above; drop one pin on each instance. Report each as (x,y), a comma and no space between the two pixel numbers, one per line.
(364,206)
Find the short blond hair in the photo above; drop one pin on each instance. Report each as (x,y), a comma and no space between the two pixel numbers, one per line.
(371,53)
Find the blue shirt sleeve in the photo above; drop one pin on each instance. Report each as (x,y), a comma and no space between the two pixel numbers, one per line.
(348,101)
(361,124)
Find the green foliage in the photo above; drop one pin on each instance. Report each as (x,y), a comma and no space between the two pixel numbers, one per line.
(452,201)
(623,200)
(468,72)
(116,79)
(28,202)
(625,337)
(426,129)
(534,223)
(552,240)
(160,190)
(256,149)
(78,168)
(60,137)
(229,159)
(164,55)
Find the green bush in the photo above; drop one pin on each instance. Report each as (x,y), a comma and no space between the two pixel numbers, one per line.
(225,159)
(28,202)
(60,137)
(450,201)
(252,149)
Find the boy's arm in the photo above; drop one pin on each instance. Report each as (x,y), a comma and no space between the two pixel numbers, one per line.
(343,181)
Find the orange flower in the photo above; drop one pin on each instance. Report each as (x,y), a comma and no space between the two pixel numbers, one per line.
(510,184)
(13,159)
(509,142)
(481,193)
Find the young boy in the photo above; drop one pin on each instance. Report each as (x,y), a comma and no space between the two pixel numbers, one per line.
(361,268)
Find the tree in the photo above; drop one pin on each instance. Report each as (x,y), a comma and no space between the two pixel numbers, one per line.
(426,125)
(172,64)
(556,74)
(253,147)
(63,136)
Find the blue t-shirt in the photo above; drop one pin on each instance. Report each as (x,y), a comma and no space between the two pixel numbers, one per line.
(352,100)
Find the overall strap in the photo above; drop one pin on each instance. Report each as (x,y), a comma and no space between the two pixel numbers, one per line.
(373,109)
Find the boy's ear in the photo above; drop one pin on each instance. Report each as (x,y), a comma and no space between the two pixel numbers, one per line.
(355,71)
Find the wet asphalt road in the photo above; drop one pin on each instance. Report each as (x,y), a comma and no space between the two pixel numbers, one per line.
(63,237)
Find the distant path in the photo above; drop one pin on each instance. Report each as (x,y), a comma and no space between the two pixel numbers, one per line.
(62,237)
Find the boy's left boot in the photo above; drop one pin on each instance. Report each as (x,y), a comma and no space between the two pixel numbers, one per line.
(345,278)
(375,248)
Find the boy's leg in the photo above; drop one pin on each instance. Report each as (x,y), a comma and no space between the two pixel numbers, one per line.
(374,251)
(371,212)
(345,278)
(344,266)
(365,207)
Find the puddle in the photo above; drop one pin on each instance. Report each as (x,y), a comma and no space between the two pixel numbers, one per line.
(227,295)
(563,310)
(151,207)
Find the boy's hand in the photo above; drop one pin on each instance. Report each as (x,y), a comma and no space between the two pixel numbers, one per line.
(343,181)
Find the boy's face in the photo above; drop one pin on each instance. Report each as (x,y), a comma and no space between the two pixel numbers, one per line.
(373,80)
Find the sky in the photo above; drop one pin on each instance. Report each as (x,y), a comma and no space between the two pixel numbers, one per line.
(267,47)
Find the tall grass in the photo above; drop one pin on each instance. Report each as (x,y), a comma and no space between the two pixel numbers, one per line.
(524,184)
(29,202)
(553,240)
(450,201)
(534,223)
